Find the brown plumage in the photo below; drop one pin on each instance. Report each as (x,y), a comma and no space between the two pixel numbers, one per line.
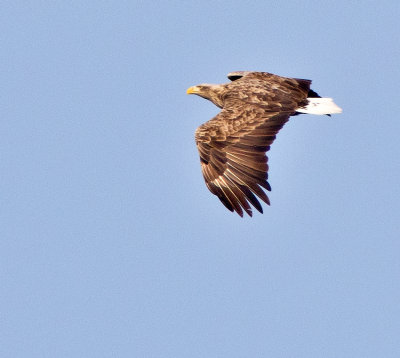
(233,145)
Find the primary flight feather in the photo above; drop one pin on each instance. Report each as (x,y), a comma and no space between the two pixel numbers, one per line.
(233,144)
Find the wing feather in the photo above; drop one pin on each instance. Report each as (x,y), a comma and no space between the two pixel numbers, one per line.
(234,164)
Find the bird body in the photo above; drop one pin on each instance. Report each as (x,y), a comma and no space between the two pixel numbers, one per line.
(233,144)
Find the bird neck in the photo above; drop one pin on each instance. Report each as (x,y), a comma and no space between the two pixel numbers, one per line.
(213,93)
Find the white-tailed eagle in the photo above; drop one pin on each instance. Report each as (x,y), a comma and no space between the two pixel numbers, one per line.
(233,144)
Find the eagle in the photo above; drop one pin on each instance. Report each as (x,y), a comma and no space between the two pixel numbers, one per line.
(233,144)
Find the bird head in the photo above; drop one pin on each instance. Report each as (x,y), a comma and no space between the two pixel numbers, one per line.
(199,89)
(207,91)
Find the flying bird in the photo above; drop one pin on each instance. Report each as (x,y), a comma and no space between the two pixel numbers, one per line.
(233,144)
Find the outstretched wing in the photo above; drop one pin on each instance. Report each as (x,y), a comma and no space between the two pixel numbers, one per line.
(233,148)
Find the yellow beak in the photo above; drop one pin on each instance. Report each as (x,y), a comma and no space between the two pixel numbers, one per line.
(191,90)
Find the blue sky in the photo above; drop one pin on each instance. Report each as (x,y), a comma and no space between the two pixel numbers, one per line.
(112,246)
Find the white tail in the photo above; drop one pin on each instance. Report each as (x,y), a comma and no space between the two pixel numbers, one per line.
(320,106)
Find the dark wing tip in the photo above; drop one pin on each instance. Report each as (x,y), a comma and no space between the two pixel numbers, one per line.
(236,75)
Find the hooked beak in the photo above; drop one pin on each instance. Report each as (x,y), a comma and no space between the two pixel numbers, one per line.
(192,90)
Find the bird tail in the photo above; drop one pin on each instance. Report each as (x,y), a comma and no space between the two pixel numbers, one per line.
(320,106)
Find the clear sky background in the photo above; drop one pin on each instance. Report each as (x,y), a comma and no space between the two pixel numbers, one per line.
(111,244)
